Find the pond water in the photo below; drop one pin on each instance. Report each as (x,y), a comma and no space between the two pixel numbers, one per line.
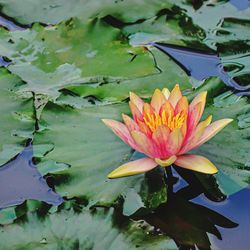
(64,66)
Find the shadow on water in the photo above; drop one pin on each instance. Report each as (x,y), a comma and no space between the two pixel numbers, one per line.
(20,180)
(195,222)
(200,65)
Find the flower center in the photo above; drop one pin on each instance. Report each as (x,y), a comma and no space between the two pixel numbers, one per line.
(154,120)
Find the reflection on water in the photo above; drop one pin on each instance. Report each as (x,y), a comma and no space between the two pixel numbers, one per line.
(199,65)
(195,222)
(20,180)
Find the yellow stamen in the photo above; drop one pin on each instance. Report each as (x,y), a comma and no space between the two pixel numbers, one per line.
(165,118)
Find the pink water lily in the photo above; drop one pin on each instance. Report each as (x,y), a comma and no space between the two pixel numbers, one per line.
(165,130)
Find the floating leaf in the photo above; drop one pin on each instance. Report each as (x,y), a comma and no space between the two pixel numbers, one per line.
(17,122)
(80,55)
(229,150)
(101,229)
(55,11)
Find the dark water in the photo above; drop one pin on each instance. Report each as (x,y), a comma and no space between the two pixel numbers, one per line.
(200,65)
(20,180)
(199,222)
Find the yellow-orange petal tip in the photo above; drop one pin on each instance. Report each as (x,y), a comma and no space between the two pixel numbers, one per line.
(167,162)
(166,92)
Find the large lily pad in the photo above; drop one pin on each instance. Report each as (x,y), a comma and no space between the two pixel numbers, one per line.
(169,74)
(79,55)
(17,122)
(55,11)
(86,230)
(229,150)
(226,34)
(83,142)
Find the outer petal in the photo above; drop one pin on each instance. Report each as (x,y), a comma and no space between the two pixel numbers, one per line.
(160,137)
(196,163)
(200,98)
(137,115)
(134,167)
(157,100)
(166,162)
(194,115)
(130,123)
(136,100)
(195,136)
(145,144)
(121,131)
(175,95)
(175,141)
(211,130)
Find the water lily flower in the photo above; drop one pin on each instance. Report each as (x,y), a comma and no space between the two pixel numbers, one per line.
(165,130)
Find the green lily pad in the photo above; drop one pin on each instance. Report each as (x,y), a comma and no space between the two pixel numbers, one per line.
(55,11)
(229,150)
(88,147)
(80,55)
(116,91)
(100,229)
(17,122)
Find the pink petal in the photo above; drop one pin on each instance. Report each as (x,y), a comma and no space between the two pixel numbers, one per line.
(145,144)
(134,167)
(175,95)
(174,141)
(157,100)
(167,107)
(190,143)
(160,137)
(121,131)
(211,130)
(144,129)
(194,115)
(182,105)
(130,123)
(148,109)
(137,115)
(200,98)
(136,100)
(196,163)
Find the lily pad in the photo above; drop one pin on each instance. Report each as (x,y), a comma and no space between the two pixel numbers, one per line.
(100,229)
(229,150)
(169,74)
(80,55)
(17,121)
(84,143)
(55,11)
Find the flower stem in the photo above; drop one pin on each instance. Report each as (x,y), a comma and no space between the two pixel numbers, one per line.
(169,180)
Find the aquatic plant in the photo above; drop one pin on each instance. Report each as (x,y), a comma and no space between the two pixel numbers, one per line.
(165,130)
